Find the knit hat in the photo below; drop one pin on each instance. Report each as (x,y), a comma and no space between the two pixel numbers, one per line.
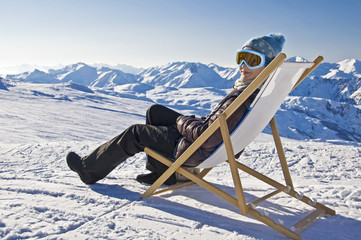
(270,45)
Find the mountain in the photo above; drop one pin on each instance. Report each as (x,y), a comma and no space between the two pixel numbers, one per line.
(2,85)
(348,68)
(79,73)
(230,74)
(325,106)
(35,76)
(339,82)
(189,75)
(86,75)
(183,75)
(346,90)
(297,59)
(109,78)
(122,67)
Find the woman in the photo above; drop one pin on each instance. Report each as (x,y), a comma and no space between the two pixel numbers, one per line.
(171,133)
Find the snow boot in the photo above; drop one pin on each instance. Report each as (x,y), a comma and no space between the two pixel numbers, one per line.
(74,162)
(150,178)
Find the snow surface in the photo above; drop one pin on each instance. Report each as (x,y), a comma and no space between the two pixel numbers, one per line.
(40,198)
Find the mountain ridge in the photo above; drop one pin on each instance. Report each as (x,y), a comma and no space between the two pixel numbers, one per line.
(326,105)
(337,81)
(183,72)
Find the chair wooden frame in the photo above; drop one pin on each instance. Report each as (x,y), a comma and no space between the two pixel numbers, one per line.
(239,201)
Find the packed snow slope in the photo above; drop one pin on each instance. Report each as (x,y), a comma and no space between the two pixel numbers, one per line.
(49,114)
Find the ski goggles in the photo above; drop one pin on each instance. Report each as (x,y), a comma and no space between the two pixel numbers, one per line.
(251,58)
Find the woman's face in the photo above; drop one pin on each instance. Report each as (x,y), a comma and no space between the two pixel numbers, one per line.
(249,74)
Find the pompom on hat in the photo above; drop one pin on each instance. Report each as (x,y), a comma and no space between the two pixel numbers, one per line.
(270,45)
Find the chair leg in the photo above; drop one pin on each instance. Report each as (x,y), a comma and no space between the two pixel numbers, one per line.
(232,162)
(281,153)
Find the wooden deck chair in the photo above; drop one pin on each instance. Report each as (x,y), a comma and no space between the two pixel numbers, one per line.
(279,79)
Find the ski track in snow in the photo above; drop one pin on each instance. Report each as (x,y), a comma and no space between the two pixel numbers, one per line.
(40,198)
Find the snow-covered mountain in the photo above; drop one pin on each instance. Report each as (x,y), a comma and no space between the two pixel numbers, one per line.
(184,75)
(2,85)
(348,68)
(79,73)
(230,74)
(122,67)
(325,106)
(338,82)
(178,74)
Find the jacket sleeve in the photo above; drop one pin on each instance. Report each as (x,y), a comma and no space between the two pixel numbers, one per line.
(191,128)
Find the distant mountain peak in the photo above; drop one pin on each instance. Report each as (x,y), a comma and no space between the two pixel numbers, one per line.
(122,67)
(348,61)
(75,67)
(297,59)
(350,65)
(183,74)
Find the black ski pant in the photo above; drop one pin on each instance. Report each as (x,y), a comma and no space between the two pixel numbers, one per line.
(159,133)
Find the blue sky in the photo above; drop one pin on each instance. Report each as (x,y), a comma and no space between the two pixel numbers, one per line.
(146,33)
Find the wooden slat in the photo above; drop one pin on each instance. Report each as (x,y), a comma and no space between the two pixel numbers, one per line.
(309,219)
(269,222)
(268,196)
(260,176)
(232,163)
(281,153)
(308,201)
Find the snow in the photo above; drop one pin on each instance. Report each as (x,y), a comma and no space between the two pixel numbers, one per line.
(40,198)
(348,65)
(348,68)
(183,74)
(297,59)
(2,86)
